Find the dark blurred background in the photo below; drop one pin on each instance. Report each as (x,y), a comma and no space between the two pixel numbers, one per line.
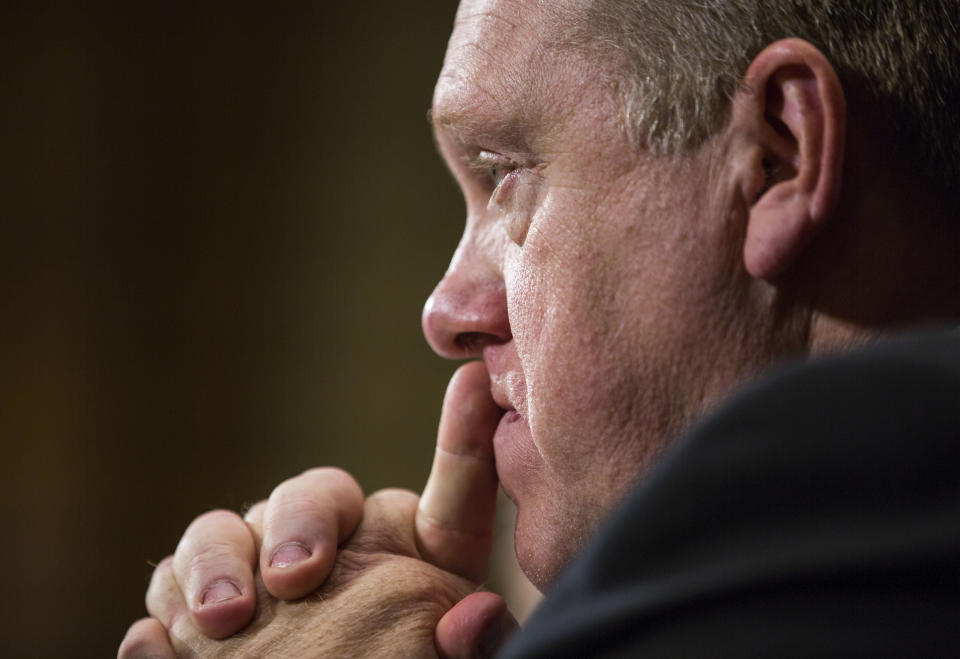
(219,225)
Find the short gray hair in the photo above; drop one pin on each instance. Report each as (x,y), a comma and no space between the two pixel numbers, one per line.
(683,60)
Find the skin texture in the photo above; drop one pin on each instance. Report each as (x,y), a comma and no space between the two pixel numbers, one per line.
(604,288)
(379,572)
(403,583)
(613,297)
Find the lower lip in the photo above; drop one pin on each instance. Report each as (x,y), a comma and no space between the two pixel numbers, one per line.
(505,438)
(511,445)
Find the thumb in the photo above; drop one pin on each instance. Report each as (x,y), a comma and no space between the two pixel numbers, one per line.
(454,520)
(476,626)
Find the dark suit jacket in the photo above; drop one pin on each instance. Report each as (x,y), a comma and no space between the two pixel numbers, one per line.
(815,515)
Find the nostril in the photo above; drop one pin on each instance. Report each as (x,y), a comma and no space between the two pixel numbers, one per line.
(466,313)
(471,342)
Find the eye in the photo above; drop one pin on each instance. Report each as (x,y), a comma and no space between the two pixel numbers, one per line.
(497,173)
(513,190)
(493,167)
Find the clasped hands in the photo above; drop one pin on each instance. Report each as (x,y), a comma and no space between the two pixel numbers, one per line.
(316,570)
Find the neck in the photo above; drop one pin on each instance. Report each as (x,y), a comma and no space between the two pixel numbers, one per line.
(879,275)
(888,260)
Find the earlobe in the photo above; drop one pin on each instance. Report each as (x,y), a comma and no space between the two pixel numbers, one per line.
(791,113)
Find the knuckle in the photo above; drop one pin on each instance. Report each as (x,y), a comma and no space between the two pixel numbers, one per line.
(163,588)
(387,524)
(321,490)
(255,510)
(136,641)
(214,522)
(217,530)
(254,520)
(213,556)
(297,507)
(331,473)
(162,572)
(214,518)
(284,486)
(317,478)
(393,497)
(334,476)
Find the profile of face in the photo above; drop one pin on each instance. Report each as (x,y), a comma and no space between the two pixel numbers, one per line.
(602,286)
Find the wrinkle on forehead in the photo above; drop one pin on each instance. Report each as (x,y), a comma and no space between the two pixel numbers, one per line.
(497,66)
(492,18)
(468,17)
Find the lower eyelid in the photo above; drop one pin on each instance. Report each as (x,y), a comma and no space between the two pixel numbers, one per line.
(503,188)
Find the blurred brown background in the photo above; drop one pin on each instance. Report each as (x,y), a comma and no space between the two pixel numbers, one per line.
(219,225)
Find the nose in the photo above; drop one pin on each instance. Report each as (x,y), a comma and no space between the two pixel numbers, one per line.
(466,312)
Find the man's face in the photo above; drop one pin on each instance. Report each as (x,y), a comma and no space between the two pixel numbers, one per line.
(602,287)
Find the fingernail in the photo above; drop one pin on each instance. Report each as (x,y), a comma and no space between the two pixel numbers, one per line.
(220,591)
(289,555)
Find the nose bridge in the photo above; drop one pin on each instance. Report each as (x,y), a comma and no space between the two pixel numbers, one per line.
(468,307)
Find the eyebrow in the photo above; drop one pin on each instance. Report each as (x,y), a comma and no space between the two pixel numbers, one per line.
(442,119)
(457,121)
(509,130)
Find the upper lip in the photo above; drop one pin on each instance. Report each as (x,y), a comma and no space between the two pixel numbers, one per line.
(505,386)
(499,395)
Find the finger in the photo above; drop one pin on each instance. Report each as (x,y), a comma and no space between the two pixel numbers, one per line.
(213,565)
(476,626)
(454,521)
(146,639)
(385,528)
(254,519)
(164,598)
(305,519)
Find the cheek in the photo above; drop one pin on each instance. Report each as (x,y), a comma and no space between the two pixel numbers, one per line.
(561,338)
(591,321)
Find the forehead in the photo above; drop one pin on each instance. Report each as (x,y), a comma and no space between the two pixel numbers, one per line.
(499,72)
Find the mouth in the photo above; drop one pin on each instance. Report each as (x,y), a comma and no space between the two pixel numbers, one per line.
(511,442)
(510,413)
(500,398)
(506,395)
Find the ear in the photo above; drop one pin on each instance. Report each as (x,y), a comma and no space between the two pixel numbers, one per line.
(790,120)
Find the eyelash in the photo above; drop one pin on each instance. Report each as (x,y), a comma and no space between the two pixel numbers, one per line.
(495,169)
(498,173)
(512,190)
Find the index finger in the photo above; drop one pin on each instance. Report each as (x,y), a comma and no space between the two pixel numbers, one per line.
(146,638)
(454,520)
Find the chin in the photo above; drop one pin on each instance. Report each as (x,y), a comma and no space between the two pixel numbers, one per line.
(545,545)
